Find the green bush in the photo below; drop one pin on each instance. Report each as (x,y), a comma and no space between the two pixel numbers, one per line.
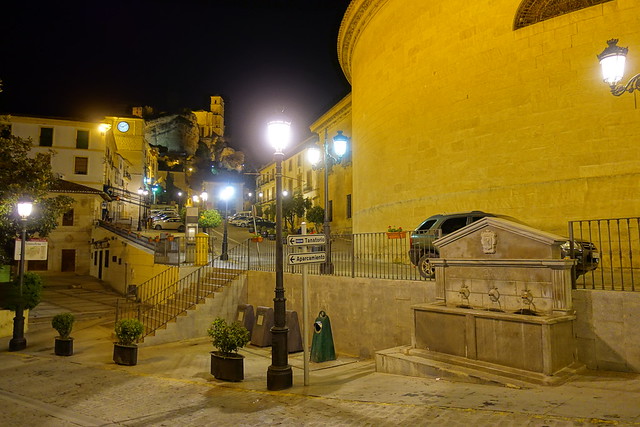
(63,323)
(31,292)
(129,331)
(228,338)
(210,218)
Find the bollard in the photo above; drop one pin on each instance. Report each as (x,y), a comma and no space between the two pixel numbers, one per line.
(202,249)
(322,348)
(294,339)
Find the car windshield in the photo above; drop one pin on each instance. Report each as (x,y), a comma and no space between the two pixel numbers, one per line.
(426,225)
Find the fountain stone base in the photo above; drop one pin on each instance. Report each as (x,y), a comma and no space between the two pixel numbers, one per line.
(541,344)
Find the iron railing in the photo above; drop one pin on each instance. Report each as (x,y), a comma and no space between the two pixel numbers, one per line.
(367,255)
(164,297)
(618,243)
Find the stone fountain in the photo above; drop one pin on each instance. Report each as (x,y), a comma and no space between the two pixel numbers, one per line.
(503,304)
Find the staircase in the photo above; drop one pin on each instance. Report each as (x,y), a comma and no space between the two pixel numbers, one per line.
(174,300)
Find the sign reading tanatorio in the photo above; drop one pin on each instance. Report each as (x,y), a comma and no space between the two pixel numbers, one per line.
(307,258)
(306,239)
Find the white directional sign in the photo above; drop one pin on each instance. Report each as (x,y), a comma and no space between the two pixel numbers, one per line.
(306,239)
(307,258)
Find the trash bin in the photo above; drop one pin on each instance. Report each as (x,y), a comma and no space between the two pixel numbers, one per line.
(245,316)
(322,349)
(261,334)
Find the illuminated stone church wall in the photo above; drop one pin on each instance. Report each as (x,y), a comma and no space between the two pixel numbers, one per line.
(453,109)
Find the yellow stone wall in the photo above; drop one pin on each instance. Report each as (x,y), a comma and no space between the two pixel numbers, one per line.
(453,110)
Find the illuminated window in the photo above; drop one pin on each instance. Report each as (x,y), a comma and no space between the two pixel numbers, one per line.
(46,137)
(81,166)
(82,139)
(533,11)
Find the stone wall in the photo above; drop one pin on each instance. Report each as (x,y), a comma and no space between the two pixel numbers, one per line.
(607,325)
(453,110)
(374,314)
(366,314)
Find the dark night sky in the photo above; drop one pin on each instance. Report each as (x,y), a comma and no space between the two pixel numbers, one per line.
(89,59)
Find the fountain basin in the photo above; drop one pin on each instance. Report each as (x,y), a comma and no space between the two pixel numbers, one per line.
(543,344)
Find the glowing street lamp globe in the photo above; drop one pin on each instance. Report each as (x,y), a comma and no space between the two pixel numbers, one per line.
(279,134)
(612,60)
(340,144)
(24,209)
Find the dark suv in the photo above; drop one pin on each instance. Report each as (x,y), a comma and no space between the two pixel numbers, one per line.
(422,250)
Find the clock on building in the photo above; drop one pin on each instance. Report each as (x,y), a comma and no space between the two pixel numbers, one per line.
(123,126)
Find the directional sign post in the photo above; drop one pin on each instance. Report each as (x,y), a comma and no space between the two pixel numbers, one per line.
(306,239)
(307,257)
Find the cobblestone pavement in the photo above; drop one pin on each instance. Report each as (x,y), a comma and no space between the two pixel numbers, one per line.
(172,386)
(43,391)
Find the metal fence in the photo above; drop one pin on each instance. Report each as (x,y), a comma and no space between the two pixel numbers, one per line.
(161,299)
(618,243)
(370,255)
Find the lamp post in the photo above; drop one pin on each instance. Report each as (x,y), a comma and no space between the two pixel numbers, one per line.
(140,193)
(204,196)
(612,60)
(19,342)
(225,194)
(339,149)
(279,374)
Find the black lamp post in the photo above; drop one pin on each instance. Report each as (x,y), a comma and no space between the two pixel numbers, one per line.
(226,194)
(19,342)
(339,149)
(279,374)
(140,193)
(612,61)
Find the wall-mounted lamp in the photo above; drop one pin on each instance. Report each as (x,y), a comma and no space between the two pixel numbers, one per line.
(612,60)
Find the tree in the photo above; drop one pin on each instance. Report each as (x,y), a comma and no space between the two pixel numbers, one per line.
(315,215)
(269,211)
(210,218)
(22,176)
(294,206)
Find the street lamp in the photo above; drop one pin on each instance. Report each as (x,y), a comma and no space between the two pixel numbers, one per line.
(279,374)
(204,196)
(340,143)
(225,194)
(612,60)
(140,194)
(19,342)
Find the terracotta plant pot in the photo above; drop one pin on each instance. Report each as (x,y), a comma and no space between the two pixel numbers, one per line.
(396,234)
(227,367)
(257,239)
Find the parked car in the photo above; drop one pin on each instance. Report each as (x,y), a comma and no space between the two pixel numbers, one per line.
(165,215)
(169,224)
(248,222)
(238,219)
(422,250)
(261,223)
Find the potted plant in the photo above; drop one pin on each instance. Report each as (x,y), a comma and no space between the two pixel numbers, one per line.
(226,363)
(395,233)
(63,323)
(125,350)
(256,238)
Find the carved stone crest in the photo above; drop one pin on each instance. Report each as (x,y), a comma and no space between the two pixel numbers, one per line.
(489,240)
